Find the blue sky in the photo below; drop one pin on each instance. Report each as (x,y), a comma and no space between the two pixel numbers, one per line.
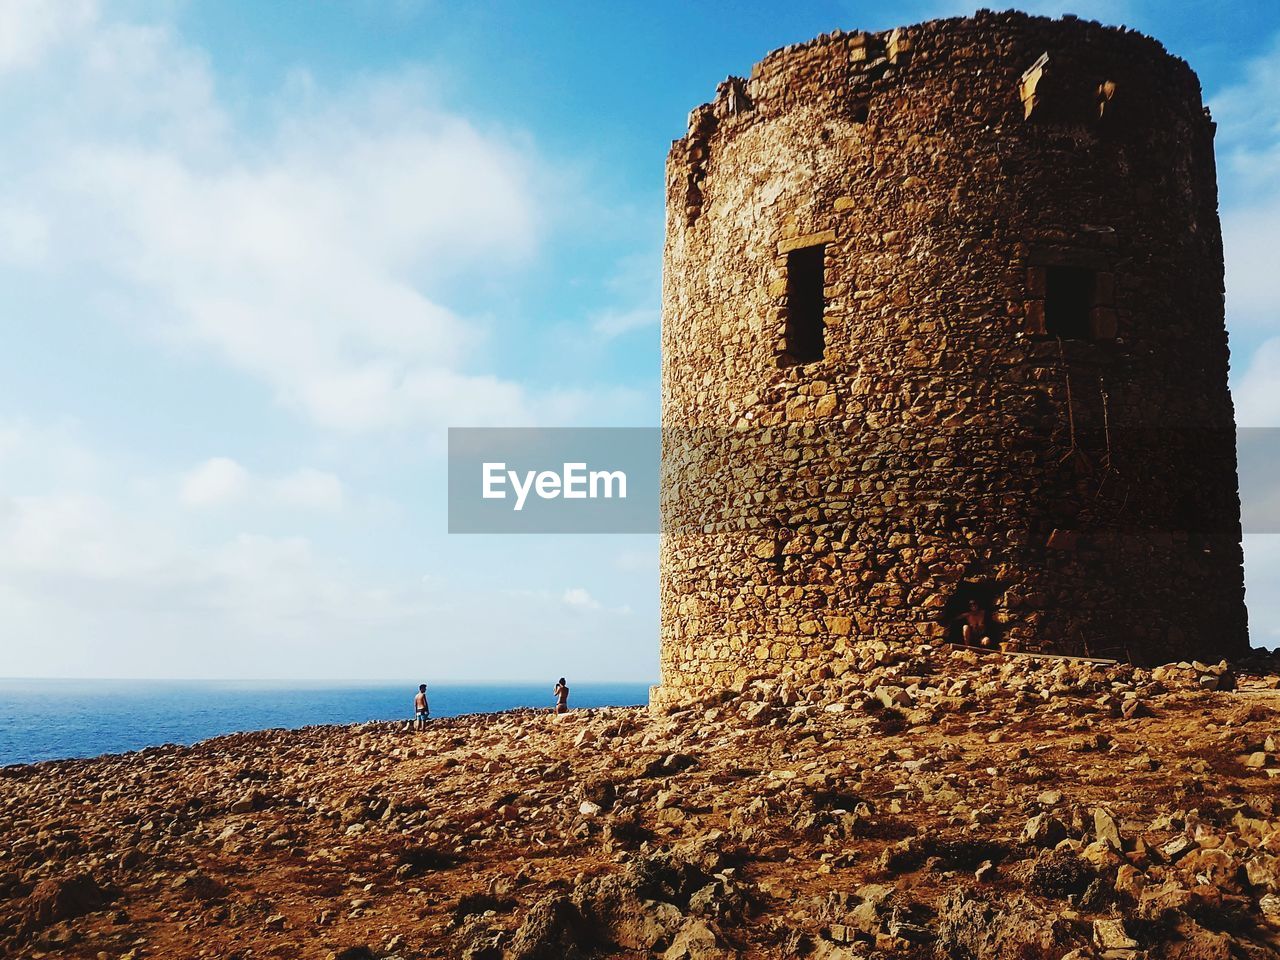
(256,258)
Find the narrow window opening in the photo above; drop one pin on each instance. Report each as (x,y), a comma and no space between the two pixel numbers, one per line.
(806,336)
(1068,302)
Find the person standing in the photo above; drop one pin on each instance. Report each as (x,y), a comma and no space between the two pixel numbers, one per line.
(562,696)
(421,710)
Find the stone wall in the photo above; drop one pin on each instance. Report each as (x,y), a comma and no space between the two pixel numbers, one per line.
(947,444)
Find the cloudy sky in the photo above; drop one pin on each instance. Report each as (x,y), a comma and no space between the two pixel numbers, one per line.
(256,258)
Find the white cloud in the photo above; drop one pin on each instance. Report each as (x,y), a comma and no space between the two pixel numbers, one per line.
(1257,391)
(99,577)
(112,583)
(312,242)
(642,559)
(93,589)
(24,236)
(308,255)
(92,585)
(1247,117)
(30,28)
(1262,588)
(305,268)
(309,488)
(635,288)
(580,598)
(573,599)
(1248,145)
(613,324)
(66,533)
(44,458)
(10,437)
(217,480)
(222,480)
(1253,282)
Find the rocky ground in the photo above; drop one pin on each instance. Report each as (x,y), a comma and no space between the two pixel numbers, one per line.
(927,803)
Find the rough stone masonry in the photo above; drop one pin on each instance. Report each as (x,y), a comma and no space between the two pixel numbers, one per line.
(943,320)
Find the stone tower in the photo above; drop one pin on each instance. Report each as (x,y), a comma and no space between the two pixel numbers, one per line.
(943,320)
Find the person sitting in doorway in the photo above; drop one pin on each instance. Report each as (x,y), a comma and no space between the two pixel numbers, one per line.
(977,626)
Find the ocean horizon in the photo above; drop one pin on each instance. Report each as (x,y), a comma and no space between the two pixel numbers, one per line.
(59,719)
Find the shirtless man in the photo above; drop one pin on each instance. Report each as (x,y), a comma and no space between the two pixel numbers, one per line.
(977,630)
(420,708)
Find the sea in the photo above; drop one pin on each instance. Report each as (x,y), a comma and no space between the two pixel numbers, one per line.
(57,719)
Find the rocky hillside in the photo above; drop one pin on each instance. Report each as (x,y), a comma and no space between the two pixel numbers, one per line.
(929,803)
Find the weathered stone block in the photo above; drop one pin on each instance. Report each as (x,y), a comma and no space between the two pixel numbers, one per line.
(808,240)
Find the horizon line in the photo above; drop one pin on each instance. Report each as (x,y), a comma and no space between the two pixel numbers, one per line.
(334,680)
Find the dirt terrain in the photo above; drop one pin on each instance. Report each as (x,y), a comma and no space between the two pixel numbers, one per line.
(927,802)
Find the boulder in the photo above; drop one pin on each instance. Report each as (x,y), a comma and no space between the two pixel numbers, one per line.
(64,898)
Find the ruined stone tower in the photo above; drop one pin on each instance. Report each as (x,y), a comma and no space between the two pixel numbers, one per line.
(943,320)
